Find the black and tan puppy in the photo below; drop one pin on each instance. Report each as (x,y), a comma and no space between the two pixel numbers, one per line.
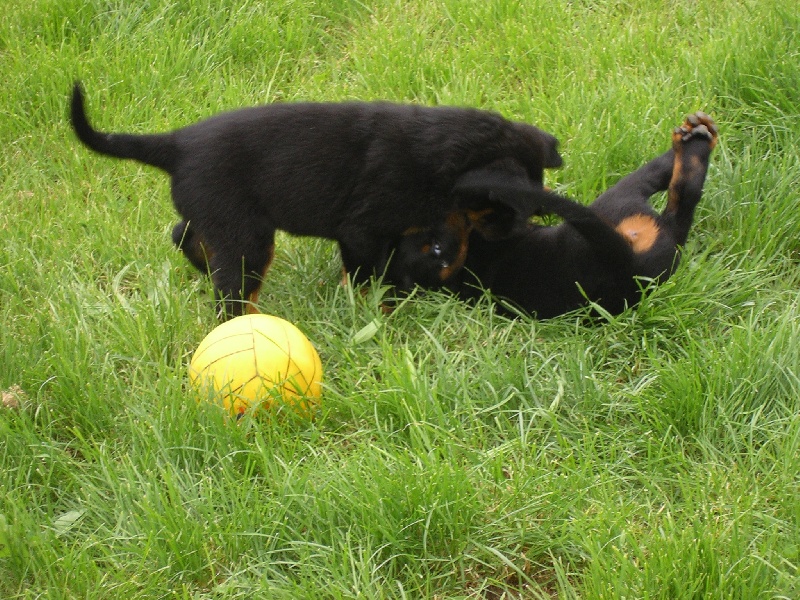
(358,173)
(601,253)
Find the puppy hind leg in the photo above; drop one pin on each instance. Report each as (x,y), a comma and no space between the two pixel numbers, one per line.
(692,144)
(189,241)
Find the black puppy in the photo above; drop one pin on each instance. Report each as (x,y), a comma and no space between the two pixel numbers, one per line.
(358,173)
(601,253)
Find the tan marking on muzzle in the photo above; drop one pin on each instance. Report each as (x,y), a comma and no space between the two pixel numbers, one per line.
(476,217)
(463,225)
(414,230)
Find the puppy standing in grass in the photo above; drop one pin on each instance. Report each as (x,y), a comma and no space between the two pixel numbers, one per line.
(602,252)
(362,174)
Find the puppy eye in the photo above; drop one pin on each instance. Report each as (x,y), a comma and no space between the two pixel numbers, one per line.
(436,249)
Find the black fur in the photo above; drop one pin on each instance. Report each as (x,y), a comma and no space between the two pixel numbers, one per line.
(362,174)
(602,252)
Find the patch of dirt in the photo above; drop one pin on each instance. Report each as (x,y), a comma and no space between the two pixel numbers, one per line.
(13,397)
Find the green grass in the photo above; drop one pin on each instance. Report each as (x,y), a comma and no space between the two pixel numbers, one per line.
(457,454)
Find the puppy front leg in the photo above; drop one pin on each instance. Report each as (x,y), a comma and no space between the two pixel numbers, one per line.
(632,193)
(238,274)
(362,259)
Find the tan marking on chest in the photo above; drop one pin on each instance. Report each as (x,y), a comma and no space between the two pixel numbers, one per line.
(641,231)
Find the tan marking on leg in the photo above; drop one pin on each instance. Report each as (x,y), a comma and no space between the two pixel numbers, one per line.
(673,198)
(679,136)
(641,231)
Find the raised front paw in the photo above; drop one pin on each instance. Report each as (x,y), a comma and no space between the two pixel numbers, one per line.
(697,125)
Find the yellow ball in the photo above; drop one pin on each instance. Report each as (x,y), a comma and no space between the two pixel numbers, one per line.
(258,361)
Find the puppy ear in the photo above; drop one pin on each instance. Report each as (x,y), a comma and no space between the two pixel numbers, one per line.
(496,203)
(551,159)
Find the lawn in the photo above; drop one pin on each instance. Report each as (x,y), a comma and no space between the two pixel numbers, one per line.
(457,453)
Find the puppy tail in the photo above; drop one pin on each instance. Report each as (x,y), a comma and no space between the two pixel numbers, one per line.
(158,150)
(529,200)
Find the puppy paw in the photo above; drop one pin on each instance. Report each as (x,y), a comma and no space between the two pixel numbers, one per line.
(692,144)
(697,126)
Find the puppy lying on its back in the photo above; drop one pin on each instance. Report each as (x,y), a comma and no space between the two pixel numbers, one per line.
(601,252)
(358,173)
